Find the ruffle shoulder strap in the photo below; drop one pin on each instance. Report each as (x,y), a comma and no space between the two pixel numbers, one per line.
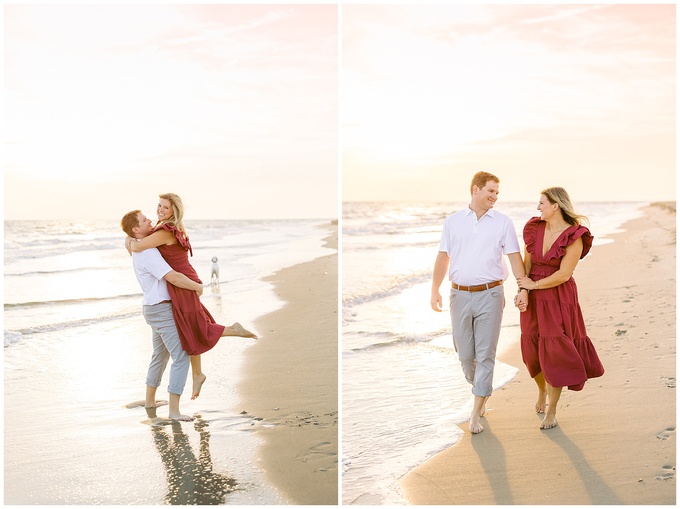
(529,233)
(573,233)
(181,237)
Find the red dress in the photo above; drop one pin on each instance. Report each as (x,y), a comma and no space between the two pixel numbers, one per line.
(197,329)
(554,339)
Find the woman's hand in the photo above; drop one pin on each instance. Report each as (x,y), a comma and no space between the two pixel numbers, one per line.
(525,282)
(128,243)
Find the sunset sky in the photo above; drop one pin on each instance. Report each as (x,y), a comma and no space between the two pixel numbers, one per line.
(233,107)
(579,96)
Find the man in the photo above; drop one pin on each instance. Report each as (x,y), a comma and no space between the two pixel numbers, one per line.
(472,246)
(152,272)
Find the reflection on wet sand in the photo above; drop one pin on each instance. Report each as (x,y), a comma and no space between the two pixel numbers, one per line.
(191,480)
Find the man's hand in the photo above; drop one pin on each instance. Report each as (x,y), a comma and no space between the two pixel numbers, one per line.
(436,301)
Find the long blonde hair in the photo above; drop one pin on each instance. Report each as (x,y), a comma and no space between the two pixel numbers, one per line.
(177,211)
(560,196)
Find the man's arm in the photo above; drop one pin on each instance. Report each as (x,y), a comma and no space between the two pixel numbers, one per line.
(441,266)
(519,271)
(181,281)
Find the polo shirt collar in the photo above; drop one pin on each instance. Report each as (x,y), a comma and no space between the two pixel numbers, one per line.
(489,212)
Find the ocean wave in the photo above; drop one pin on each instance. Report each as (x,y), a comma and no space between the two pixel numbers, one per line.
(402,284)
(14,336)
(375,340)
(68,302)
(57,271)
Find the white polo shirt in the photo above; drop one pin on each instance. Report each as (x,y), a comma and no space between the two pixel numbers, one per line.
(476,247)
(150,267)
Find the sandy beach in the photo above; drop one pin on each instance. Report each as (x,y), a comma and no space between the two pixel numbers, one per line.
(615,443)
(291,381)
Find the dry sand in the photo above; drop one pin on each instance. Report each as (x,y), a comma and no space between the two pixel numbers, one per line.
(291,381)
(615,443)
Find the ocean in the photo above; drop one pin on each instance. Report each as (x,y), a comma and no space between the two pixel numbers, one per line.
(77,349)
(403,392)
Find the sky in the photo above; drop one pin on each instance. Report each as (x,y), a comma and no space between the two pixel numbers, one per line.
(578,96)
(233,107)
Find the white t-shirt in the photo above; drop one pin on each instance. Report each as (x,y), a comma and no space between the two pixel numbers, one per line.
(476,247)
(150,267)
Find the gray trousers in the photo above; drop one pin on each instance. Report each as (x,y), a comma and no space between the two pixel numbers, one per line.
(166,345)
(475,326)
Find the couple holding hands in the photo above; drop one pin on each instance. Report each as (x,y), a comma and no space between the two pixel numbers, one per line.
(555,346)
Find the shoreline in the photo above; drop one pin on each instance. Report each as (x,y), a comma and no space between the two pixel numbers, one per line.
(290,382)
(615,443)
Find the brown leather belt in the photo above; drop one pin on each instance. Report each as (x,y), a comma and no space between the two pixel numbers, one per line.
(476,288)
(164,301)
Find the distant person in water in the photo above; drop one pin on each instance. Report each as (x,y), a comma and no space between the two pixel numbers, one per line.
(555,346)
(152,273)
(471,250)
(197,329)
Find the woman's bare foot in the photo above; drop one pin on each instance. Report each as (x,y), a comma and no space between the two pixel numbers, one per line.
(541,403)
(180,417)
(241,331)
(198,383)
(549,421)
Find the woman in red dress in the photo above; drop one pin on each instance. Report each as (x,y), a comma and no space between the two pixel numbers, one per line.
(198,331)
(555,346)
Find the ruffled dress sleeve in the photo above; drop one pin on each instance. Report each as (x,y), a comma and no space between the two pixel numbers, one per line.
(529,233)
(573,233)
(181,237)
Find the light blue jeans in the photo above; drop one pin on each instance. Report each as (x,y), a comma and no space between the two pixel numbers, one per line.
(476,326)
(166,345)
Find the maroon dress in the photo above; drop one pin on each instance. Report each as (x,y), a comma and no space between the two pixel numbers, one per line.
(197,329)
(554,339)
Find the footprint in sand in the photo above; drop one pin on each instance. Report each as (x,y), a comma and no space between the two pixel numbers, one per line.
(668,473)
(665,434)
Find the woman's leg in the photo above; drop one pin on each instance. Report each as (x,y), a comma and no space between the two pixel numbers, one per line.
(550,419)
(197,375)
(542,393)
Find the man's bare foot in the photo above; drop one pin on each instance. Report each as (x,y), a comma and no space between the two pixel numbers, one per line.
(180,417)
(198,383)
(142,403)
(549,421)
(240,330)
(541,403)
(475,425)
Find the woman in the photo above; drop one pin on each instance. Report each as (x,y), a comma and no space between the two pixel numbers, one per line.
(555,346)
(197,329)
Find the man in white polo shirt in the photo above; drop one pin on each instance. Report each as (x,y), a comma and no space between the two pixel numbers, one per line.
(472,246)
(152,272)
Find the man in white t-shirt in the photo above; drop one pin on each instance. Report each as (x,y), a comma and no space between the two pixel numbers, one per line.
(472,246)
(152,272)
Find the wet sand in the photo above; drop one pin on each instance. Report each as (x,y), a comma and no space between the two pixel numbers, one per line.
(291,382)
(616,439)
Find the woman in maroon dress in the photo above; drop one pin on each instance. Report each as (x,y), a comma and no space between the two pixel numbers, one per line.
(555,346)
(198,331)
